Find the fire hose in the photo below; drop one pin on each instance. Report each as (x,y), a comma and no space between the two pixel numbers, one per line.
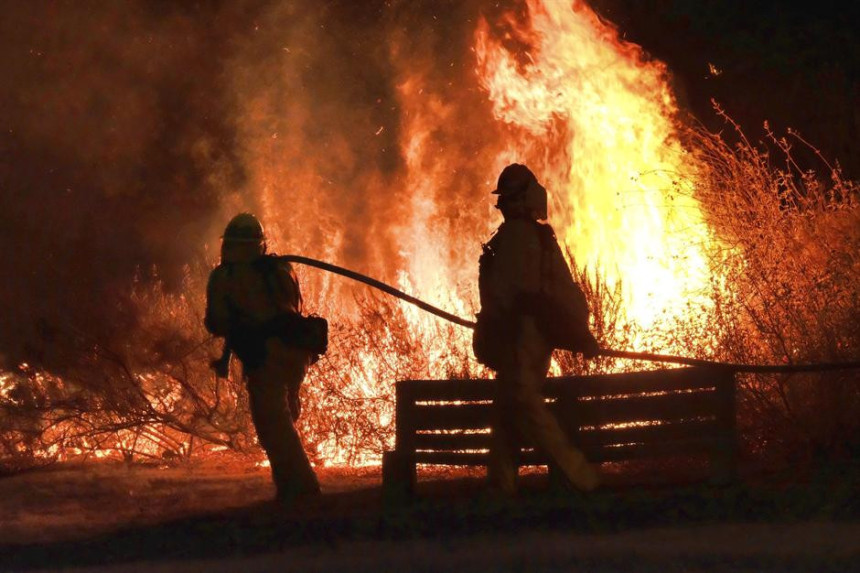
(645,356)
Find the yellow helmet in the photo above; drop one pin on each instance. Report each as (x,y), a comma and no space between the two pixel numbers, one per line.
(244,228)
(518,181)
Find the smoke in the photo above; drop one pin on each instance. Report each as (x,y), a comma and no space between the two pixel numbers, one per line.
(366,139)
(130,133)
(314,87)
(116,144)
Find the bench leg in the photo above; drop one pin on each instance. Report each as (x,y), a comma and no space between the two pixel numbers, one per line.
(555,477)
(398,476)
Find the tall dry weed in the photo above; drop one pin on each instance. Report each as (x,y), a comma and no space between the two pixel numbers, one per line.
(789,286)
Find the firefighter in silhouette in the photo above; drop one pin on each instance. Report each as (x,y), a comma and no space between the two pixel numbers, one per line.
(247,293)
(530,305)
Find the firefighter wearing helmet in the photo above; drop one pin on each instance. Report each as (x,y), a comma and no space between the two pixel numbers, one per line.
(247,293)
(530,305)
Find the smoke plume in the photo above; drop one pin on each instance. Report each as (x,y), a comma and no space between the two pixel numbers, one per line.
(117,142)
(130,133)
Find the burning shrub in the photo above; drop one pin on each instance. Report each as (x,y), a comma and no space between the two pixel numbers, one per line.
(148,400)
(789,291)
(350,392)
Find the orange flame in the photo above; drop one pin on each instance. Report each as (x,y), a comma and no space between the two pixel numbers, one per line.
(598,121)
(588,112)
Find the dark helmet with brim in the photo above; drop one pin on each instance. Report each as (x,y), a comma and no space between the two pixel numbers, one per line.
(244,228)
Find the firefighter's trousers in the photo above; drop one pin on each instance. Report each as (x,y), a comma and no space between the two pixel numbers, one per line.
(273,390)
(522,415)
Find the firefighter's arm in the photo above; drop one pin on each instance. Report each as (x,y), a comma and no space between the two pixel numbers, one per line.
(217,319)
(288,297)
(574,307)
(568,292)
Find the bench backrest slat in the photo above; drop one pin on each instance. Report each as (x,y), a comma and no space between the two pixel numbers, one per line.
(653,449)
(679,379)
(669,407)
(696,378)
(449,390)
(450,442)
(647,434)
(452,417)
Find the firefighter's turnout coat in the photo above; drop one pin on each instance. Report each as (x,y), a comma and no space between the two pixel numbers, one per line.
(246,292)
(530,305)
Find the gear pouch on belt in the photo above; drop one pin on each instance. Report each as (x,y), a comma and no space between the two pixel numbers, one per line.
(315,334)
(491,340)
(306,332)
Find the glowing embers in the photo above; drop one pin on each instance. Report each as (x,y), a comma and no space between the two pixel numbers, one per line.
(7,385)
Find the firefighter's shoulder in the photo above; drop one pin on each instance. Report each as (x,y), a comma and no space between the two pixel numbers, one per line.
(218,281)
(278,265)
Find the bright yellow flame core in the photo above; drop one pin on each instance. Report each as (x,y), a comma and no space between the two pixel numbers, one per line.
(597,123)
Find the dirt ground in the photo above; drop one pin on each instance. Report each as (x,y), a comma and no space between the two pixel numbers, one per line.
(216,516)
(70,503)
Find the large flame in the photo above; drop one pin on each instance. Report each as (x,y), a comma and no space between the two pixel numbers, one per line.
(593,118)
(598,121)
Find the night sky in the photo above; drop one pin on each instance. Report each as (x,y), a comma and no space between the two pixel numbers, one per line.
(795,64)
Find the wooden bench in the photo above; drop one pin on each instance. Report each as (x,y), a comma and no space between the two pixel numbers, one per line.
(611,417)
